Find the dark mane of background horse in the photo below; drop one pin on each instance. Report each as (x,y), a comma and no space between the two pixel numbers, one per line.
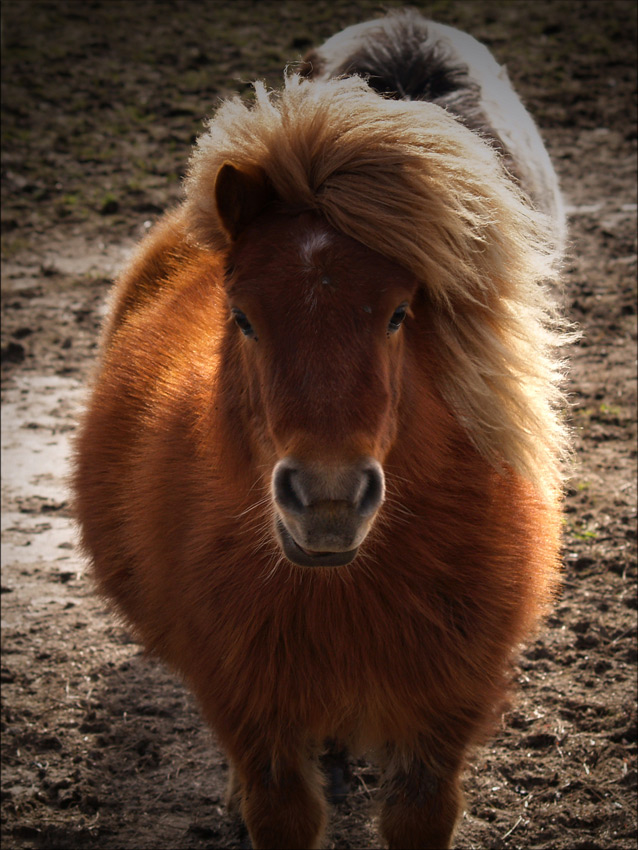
(403,60)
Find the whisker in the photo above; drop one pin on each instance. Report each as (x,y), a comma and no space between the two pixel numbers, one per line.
(252,507)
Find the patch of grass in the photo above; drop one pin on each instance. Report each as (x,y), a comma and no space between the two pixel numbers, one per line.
(580,531)
(138,115)
(13,134)
(610,409)
(603,411)
(11,246)
(585,535)
(195,80)
(134,186)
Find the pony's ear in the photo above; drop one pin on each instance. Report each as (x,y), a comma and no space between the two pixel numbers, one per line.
(312,65)
(241,194)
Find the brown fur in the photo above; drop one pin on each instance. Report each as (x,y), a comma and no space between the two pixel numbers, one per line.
(407,650)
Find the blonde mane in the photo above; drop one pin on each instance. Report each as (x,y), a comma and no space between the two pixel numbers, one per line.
(408,180)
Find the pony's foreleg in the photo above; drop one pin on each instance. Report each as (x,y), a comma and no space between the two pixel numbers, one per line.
(420,807)
(283,806)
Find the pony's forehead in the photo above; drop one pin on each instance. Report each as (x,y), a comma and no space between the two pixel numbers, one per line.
(313,244)
(280,254)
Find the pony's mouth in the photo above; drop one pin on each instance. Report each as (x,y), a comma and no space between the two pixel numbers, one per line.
(304,558)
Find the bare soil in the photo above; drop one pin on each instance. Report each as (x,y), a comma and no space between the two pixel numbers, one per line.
(101,747)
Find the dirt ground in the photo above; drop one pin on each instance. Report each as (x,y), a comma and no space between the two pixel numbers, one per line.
(101,101)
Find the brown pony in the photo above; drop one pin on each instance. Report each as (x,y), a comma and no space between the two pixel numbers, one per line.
(319,471)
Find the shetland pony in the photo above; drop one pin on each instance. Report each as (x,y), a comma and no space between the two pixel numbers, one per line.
(319,473)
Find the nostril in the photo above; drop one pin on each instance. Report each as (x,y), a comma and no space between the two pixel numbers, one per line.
(287,489)
(358,489)
(371,491)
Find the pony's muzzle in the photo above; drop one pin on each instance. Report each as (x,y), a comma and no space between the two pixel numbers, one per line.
(325,511)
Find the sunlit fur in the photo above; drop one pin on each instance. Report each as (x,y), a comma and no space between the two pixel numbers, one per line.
(406,651)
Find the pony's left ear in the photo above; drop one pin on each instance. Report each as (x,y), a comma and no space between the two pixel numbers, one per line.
(240,195)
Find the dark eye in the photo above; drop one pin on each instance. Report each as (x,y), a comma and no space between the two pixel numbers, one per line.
(242,323)
(397,318)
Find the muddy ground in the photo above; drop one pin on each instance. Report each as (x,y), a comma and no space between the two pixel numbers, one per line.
(100,104)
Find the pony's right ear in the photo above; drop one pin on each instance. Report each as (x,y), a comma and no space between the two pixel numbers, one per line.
(240,195)
(312,65)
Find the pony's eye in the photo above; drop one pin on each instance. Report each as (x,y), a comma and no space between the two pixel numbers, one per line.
(242,323)
(397,318)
